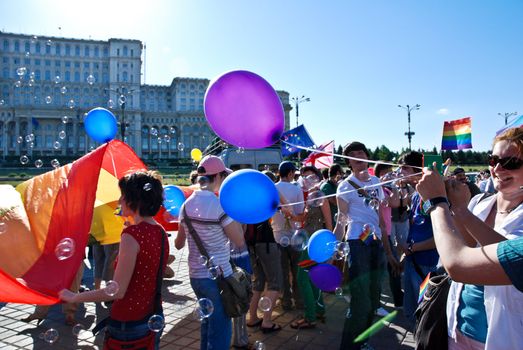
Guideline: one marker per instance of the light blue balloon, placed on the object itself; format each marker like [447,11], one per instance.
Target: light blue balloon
[322,245]
[100,125]
[173,199]
[249,197]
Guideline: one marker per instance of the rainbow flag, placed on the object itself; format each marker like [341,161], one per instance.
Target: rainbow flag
[457,134]
[366,235]
[67,202]
[423,288]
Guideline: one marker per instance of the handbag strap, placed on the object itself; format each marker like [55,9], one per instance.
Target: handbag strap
[361,191]
[195,236]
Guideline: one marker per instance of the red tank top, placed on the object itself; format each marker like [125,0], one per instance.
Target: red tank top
[138,301]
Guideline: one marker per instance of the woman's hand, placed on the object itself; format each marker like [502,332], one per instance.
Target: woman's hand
[458,194]
[431,185]
[67,296]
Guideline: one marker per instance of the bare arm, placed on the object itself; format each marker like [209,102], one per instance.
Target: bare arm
[179,242]
[339,230]
[234,232]
[122,276]
[326,211]
[463,263]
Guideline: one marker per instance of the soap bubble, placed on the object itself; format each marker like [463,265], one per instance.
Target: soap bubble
[65,249]
[285,241]
[418,219]
[315,199]
[38,163]
[77,329]
[156,323]
[90,79]
[309,182]
[154,132]
[299,240]
[63,90]
[265,304]
[19,139]
[181,146]
[259,345]
[111,288]
[55,163]
[122,99]
[48,99]
[21,71]
[147,187]
[202,260]
[110,104]
[71,104]
[205,307]
[214,272]
[24,159]
[62,134]
[65,119]
[57,79]
[51,336]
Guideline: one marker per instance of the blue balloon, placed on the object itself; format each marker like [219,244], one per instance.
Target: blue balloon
[322,245]
[249,196]
[100,125]
[173,199]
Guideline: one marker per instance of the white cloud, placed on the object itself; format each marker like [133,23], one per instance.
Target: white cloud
[443,111]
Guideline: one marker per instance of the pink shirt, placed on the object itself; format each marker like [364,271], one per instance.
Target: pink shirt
[386,211]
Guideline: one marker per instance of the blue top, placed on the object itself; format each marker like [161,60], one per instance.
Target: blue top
[510,255]
[472,317]
[420,230]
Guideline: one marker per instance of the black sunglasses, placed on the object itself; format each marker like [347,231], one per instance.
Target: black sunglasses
[508,163]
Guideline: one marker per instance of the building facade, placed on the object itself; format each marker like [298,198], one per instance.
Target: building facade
[48,84]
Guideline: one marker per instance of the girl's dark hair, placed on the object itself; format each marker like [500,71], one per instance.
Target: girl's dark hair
[311,168]
[379,167]
[142,191]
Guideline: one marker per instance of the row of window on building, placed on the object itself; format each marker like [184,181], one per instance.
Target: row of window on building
[49,47]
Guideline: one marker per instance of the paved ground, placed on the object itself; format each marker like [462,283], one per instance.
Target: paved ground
[182,329]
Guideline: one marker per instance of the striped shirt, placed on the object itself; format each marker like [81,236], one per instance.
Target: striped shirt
[208,219]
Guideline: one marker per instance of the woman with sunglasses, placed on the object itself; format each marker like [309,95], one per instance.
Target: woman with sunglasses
[482,248]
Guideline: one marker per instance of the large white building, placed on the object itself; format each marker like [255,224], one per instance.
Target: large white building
[47,84]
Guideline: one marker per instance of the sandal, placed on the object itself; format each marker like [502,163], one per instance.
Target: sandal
[274,328]
[255,324]
[303,324]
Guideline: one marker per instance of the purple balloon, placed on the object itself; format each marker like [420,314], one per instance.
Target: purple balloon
[326,277]
[243,109]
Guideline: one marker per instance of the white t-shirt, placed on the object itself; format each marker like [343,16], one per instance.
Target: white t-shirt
[503,304]
[208,220]
[359,213]
[293,194]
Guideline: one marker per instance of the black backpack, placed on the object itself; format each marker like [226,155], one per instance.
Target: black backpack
[259,233]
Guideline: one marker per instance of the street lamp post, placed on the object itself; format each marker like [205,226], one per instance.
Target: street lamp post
[297,101]
[507,115]
[122,100]
[409,133]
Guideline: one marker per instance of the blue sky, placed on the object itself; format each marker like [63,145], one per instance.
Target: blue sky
[355,60]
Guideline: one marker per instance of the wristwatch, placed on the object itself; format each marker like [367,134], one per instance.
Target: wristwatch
[429,205]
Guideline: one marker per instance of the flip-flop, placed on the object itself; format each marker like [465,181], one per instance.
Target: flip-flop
[255,324]
[275,327]
[303,324]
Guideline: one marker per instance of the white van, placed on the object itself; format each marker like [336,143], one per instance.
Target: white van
[260,159]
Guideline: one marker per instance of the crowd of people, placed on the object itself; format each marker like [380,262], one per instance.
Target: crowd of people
[405,222]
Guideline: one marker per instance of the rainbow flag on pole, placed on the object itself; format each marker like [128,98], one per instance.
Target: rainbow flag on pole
[457,134]
[423,287]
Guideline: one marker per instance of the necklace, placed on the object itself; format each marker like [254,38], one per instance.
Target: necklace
[508,211]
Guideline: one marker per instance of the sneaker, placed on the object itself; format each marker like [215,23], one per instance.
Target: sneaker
[381,312]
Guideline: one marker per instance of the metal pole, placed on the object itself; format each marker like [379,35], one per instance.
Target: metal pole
[409,134]
[122,125]
[297,113]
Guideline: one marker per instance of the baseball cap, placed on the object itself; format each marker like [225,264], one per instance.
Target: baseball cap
[211,165]
[286,167]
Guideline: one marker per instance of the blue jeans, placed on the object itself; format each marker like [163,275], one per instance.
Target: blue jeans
[411,283]
[216,330]
[366,272]
[133,333]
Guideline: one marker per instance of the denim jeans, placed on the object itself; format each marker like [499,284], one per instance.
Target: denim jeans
[366,272]
[133,333]
[216,330]
[412,281]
